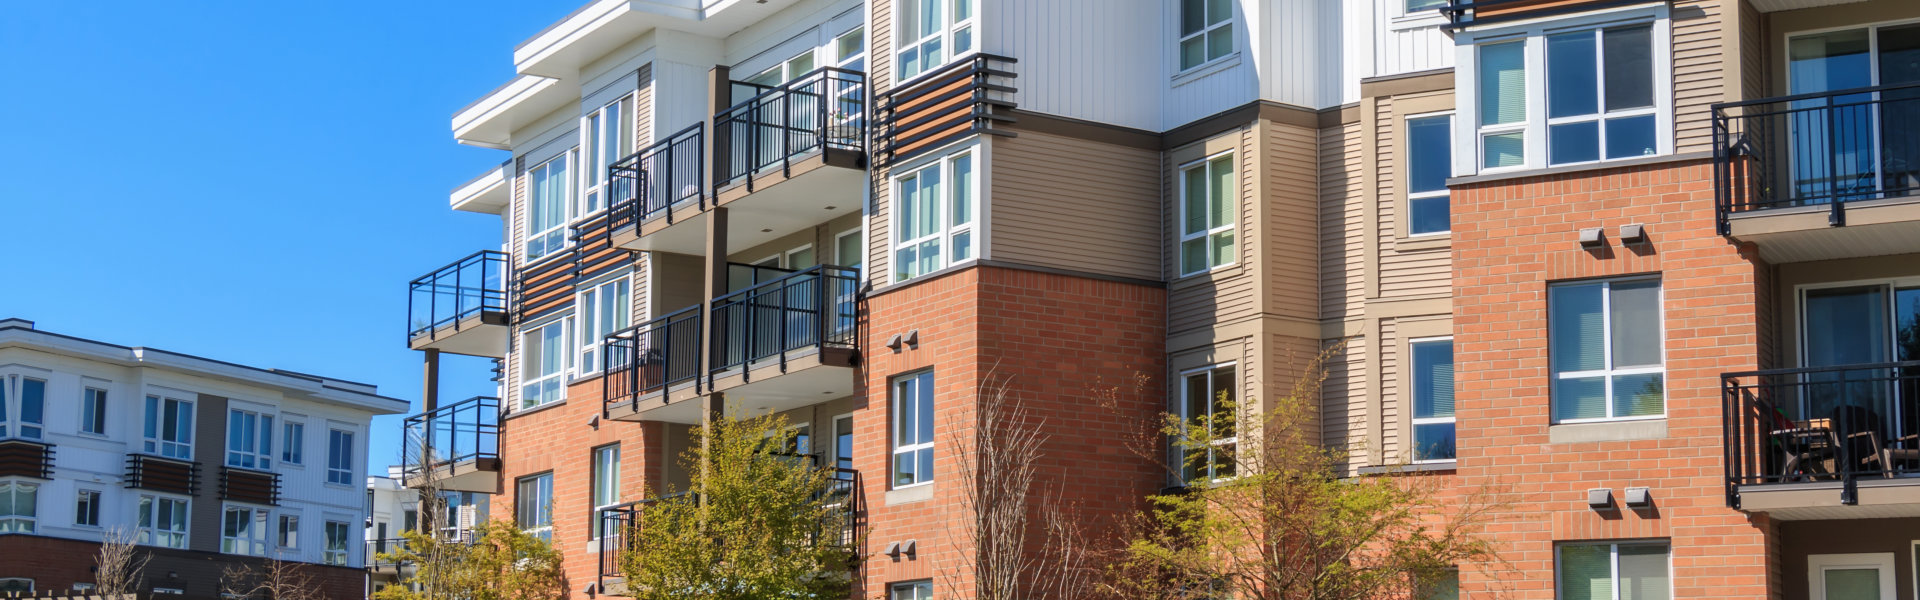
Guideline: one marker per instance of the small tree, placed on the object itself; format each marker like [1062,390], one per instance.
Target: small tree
[756,525]
[119,565]
[273,579]
[1288,522]
[499,562]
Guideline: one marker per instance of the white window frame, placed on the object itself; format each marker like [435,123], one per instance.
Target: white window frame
[893,389]
[587,313]
[594,127]
[946,229]
[331,555]
[841,58]
[338,474]
[1533,34]
[571,161]
[286,532]
[292,447]
[251,542]
[147,521]
[913,590]
[1233,215]
[859,243]
[1819,564]
[603,481]
[13,398]
[1207,27]
[1606,348]
[94,405]
[22,522]
[86,503]
[836,438]
[541,509]
[947,28]
[157,405]
[260,456]
[558,378]
[1186,420]
[1407,178]
[1413,440]
[1613,553]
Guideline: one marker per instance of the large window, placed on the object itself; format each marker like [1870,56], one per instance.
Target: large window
[1207,214]
[1571,96]
[545,355]
[19,506]
[932,31]
[913,590]
[163,521]
[26,405]
[609,138]
[169,427]
[339,457]
[1206,31]
[533,505]
[93,411]
[913,429]
[606,482]
[936,206]
[603,309]
[1432,399]
[86,508]
[1605,345]
[550,189]
[293,440]
[243,530]
[249,439]
[1625,571]
[1207,399]
[338,533]
[1429,161]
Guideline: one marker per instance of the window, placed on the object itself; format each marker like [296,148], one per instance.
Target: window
[783,72]
[1605,345]
[19,505]
[339,457]
[289,533]
[1627,571]
[249,439]
[1432,399]
[1445,586]
[1572,96]
[336,551]
[848,251]
[935,226]
[1429,161]
[1206,31]
[915,590]
[1207,398]
[243,531]
[167,591]
[606,482]
[544,361]
[163,521]
[533,505]
[843,442]
[16,584]
[609,138]
[86,508]
[931,31]
[169,430]
[604,309]
[913,429]
[547,213]
[293,439]
[27,404]
[1414,6]
[850,50]
[93,411]
[1207,214]
[1862,576]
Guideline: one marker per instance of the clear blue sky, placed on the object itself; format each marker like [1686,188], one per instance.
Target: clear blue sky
[253,182]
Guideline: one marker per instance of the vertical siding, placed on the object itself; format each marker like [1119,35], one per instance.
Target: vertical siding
[1076,204]
[1290,231]
[1228,294]
[1342,245]
[1401,273]
[1698,73]
[1082,58]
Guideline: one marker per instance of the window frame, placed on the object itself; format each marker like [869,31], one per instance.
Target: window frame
[591,332]
[599,478]
[1606,350]
[286,533]
[569,160]
[1410,197]
[894,421]
[154,435]
[260,457]
[13,408]
[329,554]
[344,473]
[558,379]
[540,513]
[1613,554]
[593,132]
[25,522]
[1204,34]
[1232,209]
[1414,421]
[1237,383]
[913,587]
[946,27]
[1532,34]
[946,228]
[292,447]
[86,507]
[148,509]
[252,542]
[94,402]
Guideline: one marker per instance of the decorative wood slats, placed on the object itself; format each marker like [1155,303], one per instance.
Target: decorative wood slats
[162,474]
[24,458]
[244,485]
[943,106]
[548,285]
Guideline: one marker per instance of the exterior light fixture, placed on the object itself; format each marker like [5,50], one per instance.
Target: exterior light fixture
[1592,238]
[1633,234]
[1600,498]
[1639,497]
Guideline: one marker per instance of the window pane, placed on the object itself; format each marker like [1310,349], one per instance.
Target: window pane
[1580,398]
[1197,402]
[1221,397]
[1193,16]
[1586,572]
[1219,42]
[1643,573]
[1639,395]
[1429,153]
[1635,309]
[1220,193]
[1444,587]
[1223,248]
[1433,441]
[1575,327]
[1196,200]
[1629,67]
[962,246]
[1428,215]
[1573,142]
[963,190]
[1420,5]
[1504,149]
[1432,379]
[1219,11]
[1572,73]
[1850,583]
[33,400]
[904,433]
[1503,83]
[1193,52]
[1193,256]
[923,391]
[923,465]
[1631,136]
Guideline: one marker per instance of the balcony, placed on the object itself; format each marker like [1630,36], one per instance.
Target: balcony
[1824,442]
[651,189]
[386,566]
[1821,176]
[461,308]
[792,155]
[778,344]
[455,447]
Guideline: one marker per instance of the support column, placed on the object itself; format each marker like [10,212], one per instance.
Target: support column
[427,507]
[720,97]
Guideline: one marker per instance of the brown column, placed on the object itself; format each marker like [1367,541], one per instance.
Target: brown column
[429,401]
[720,96]
[430,381]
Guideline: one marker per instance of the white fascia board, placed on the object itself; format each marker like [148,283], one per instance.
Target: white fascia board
[485,193]
[489,122]
[590,33]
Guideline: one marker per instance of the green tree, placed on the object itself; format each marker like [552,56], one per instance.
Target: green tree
[755,524]
[1290,522]
[498,562]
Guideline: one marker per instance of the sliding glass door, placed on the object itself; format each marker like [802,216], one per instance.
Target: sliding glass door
[1855,146]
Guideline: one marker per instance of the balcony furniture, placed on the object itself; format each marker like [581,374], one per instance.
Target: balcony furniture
[1795,435]
[1808,450]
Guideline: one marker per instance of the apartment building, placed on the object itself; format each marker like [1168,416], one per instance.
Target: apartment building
[393,508]
[208,464]
[1668,240]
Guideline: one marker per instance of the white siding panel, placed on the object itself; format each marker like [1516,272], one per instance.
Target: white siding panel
[1086,59]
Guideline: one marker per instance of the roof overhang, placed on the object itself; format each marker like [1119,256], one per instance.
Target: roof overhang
[486,193]
[490,121]
[602,26]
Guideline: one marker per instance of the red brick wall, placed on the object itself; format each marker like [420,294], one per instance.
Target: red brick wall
[1510,239]
[56,564]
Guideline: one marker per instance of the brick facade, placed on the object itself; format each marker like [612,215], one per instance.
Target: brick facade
[56,564]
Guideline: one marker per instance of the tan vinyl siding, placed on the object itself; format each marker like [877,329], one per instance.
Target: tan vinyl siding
[1389,391]
[1754,73]
[880,79]
[1401,273]
[677,281]
[1290,233]
[1342,219]
[516,236]
[1698,72]
[1075,204]
[1344,401]
[1224,295]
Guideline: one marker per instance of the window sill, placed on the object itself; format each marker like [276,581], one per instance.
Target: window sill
[527,411]
[1607,431]
[1204,69]
[1213,275]
[1424,242]
[1445,466]
[919,492]
[1579,168]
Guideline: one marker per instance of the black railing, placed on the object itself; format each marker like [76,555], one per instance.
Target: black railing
[450,437]
[1827,148]
[812,308]
[651,357]
[741,276]
[1467,13]
[649,183]
[841,524]
[826,108]
[1835,424]
[617,525]
[450,294]
[375,548]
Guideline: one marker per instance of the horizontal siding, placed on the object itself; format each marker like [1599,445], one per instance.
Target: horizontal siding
[1698,74]
[1409,273]
[1076,204]
[1342,241]
[643,107]
[880,78]
[1389,391]
[1290,232]
[1343,396]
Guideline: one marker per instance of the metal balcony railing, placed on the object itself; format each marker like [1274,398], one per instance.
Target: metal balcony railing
[812,308]
[649,183]
[443,441]
[1826,148]
[450,294]
[618,524]
[651,357]
[826,108]
[842,523]
[1821,424]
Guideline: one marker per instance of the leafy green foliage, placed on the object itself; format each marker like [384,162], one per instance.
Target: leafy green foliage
[501,562]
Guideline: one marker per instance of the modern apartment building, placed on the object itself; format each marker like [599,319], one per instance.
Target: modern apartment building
[207,463]
[1668,242]
[393,508]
